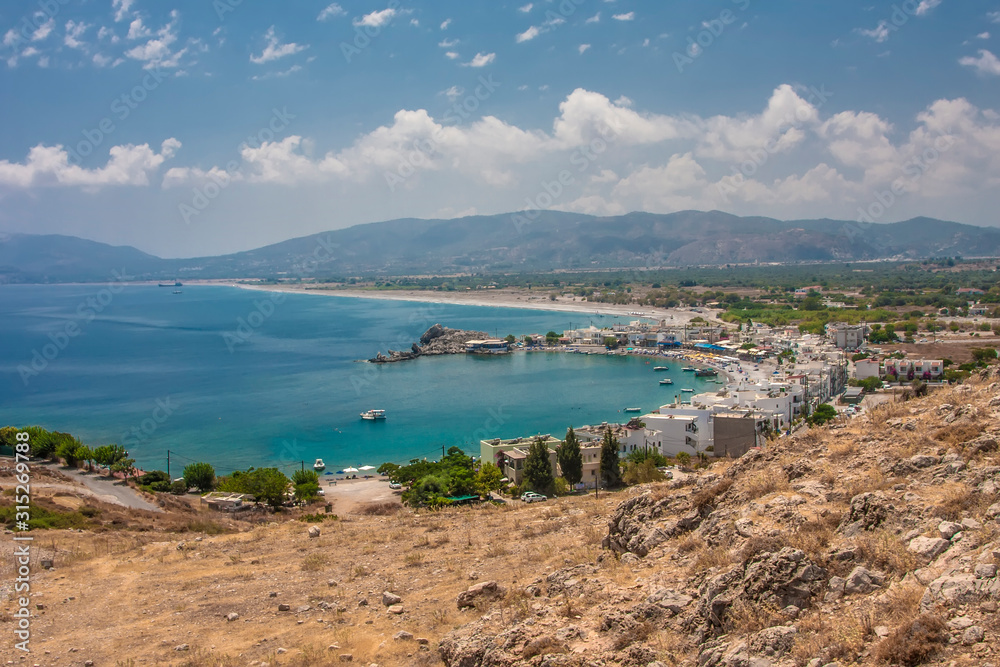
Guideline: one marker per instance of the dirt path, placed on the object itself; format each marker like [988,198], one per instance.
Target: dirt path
[108,490]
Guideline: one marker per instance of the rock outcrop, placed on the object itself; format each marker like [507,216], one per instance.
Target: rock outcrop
[435,341]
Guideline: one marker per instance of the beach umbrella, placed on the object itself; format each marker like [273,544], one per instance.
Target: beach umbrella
[350,470]
[367,468]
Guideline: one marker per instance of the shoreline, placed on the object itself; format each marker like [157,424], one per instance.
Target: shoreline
[500,300]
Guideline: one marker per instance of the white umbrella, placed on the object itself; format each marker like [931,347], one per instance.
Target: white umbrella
[350,470]
[367,468]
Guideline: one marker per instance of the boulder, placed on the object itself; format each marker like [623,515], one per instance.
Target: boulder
[928,547]
[862,580]
[923,460]
[972,635]
[868,511]
[389,599]
[395,609]
[403,636]
[468,597]
[948,529]
[232,616]
[986,570]
[672,601]
[313,531]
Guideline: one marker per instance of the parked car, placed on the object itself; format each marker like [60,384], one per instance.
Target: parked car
[532,497]
[395,485]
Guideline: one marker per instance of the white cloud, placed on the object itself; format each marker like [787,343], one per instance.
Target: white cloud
[136,30]
[624,17]
[451,55]
[74,31]
[277,75]
[994,17]
[879,33]
[121,8]
[377,19]
[274,50]
[596,18]
[927,5]
[453,93]
[986,63]
[983,35]
[582,48]
[529,34]
[447,43]
[445,24]
[481,60]
[331,11]
[48,166]
[43,31]
[109,34]
[526,8]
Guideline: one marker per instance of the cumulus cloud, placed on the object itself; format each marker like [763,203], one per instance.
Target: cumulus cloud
[525,8]
[985,63]
[377,19]
[122,8]
[331,11]
[481,60]
[158,51]
[624,17]
[529,34]
[582,48]
[49,166]
[274,49]
[74,31]
[927,5]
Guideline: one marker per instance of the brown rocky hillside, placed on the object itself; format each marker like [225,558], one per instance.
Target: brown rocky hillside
[871,542]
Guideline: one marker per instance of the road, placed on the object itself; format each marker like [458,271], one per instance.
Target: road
[109,490]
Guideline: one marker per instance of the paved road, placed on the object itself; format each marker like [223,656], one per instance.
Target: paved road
[108,490]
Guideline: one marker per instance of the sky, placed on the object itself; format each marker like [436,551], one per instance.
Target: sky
[199,127]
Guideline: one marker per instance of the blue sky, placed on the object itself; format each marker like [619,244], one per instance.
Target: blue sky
[198,127]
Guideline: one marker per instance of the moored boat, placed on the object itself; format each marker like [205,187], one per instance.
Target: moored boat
[372,415]
[666,381]
[319,466]
[660,368]
[633,409]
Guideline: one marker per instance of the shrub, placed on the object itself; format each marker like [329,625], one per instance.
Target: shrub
[160,487]
[154,476]
[912,642]
[178,488]
[200,475]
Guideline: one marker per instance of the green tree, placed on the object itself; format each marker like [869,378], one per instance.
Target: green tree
[306,484]
[552,338]
[611,472]
[538,468]
[510,339]
[611,342]
[683,459]
[67,451]
[267,485]
[488,479]
[108,455]
[85,453]
[570,459]
[200,475]
[124,465]
[823,413]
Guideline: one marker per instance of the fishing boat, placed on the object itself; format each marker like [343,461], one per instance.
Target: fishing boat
[666,381]
[633,409]
[319,466]
[688,390]
[372,415]
[660,368]
[689,369]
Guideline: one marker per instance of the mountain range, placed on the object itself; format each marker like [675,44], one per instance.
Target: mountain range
[513,242]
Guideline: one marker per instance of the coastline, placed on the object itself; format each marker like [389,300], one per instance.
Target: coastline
[501,299]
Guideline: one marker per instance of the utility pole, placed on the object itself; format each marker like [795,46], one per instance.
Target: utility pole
[168,466]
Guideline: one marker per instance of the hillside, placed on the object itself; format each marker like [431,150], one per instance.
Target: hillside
[552,240]
[869,542]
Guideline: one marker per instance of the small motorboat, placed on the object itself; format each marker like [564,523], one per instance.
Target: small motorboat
[666,381]
[372,415]
[688,390]
[633,409]
[319,466]
[660,368]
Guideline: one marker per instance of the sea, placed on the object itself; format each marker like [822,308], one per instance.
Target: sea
[240,378]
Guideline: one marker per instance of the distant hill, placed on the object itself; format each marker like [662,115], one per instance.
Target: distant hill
[514,242]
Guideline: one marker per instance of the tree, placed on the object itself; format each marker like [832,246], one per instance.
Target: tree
[200,475]
[611,473]
[510,339]
[306,484]
[125,465]
[488,479]
[611,342]
[108,455]
[552,338]
[570,459]
[538,468]
[85,453]
[823,413]
[67,451]
[267,485]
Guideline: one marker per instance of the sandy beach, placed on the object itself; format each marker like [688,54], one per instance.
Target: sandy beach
[506,298]
[348,495]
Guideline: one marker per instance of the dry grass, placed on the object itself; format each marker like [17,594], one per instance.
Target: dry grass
[956,434]
[380,509]
[871,479]
[953,501]
[764,483]
[708,557]
[913,641]
[315,562]
[744,618]
[706,497]
[885,551]
[843,449]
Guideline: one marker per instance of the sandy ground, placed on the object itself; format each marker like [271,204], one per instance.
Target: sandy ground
[515,298]
[347,495]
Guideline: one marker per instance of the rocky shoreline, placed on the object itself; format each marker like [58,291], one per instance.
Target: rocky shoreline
[435,341]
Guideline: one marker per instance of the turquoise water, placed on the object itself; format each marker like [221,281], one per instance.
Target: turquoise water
[244,378]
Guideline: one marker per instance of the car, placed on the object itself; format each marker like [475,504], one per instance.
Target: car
[532,497]
[395,485]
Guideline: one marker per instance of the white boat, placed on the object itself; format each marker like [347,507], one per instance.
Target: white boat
[633,409]
[666,381]
[372,415]
[319,466]
[688,390]
[659,368]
